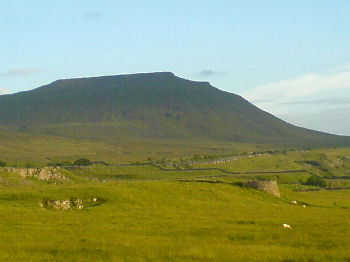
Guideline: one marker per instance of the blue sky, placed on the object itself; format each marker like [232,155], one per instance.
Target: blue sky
[291,58]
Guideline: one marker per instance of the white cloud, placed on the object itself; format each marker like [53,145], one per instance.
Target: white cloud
[331,121]
[3,91]
[328,101]
[300,86]
[23,72]
[318,101]
[341,68]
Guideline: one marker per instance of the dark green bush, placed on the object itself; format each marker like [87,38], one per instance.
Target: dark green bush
[82,162]
[29,165]
[2,164]
[316,181]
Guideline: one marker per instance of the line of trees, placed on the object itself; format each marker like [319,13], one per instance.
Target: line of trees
[78,162]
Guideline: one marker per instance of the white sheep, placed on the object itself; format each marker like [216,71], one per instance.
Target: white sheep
[286,226]
[294,202]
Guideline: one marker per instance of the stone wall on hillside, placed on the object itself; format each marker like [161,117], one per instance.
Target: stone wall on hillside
[45,173]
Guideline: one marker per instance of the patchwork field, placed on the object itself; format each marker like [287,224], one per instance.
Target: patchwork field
[178,211]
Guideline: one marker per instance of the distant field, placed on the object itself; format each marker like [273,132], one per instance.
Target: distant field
[143,213]
[20,148]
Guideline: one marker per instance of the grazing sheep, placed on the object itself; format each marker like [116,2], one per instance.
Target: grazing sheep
[304,206]
[286,226]
[294,202]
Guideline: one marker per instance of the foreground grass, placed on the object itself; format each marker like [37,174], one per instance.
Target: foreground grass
[144,214]
[172,221]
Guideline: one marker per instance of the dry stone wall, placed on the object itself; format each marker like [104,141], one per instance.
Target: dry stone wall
[46,173]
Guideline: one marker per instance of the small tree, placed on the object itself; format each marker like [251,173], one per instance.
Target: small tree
[316,181]
[82,162]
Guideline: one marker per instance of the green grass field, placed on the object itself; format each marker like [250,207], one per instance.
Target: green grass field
[19,148]
[145,214]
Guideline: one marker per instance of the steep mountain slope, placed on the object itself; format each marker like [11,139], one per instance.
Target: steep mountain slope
[155,105]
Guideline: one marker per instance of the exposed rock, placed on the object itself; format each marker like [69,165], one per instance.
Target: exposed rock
[46,173]
[269,187]
[58,204]
[78,203]
[67,204]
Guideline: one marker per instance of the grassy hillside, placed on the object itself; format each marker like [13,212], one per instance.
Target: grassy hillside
[138,218]
[169,221]
[156,106]
[143,213]
[21,148]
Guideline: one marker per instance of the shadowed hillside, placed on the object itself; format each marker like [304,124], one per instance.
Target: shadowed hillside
[155,105]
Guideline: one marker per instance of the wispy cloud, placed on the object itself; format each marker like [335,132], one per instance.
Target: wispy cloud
[300,86]
[92,15]
[328,120]
[341,68]
[3,91]
[318,101]
[343,110]
[23,72]
[326,101]
[209,73]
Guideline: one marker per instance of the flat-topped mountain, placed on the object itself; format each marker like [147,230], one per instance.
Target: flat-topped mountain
[152,105]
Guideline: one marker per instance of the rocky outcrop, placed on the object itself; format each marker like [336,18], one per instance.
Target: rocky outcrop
[269,187]
[58,204]
[46,173]
[67,204]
